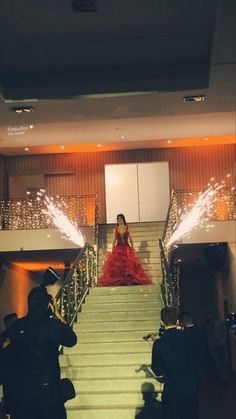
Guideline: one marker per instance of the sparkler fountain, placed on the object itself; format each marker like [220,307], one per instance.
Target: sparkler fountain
[200,213]
[69,229]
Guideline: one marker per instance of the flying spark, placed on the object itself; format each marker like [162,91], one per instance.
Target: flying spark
[197,216]
[62,222]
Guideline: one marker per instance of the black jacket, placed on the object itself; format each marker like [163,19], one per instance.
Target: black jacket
[172,358]
[37,337]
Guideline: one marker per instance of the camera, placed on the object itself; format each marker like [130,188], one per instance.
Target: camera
[147,337]
[161,332]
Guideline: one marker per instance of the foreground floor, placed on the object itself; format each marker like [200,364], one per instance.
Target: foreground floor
[217,401]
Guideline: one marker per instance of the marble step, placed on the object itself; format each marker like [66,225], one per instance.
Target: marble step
[111,336]
[106,359]
[138,371]
[117,326]
[120,298]
[104,307]
[150,268]
[116,385]
[131,399]
[137,289]
[109,348]
[138,315]
[119,412]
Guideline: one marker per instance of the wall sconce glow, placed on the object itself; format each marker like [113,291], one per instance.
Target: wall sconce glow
[197,98]
[22,109]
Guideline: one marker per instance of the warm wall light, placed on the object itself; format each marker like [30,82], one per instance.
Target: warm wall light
[26,148]
[62,147]
[198,98]
[21,109]
[169,141]
[99,145]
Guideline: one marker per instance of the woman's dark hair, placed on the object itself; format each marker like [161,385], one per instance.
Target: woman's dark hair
[123,218]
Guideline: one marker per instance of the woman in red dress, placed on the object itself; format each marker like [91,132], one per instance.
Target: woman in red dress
[122,267]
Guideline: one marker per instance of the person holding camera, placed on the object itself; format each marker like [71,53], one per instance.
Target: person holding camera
[38,336]
[172,358]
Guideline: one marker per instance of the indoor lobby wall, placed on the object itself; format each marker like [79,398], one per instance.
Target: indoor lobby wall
[83,173]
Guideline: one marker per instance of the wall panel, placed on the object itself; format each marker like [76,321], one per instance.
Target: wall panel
[190,168]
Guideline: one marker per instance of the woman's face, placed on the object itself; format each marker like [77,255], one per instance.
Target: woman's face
[120,220]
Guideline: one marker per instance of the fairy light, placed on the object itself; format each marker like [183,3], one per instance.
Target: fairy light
[62,222]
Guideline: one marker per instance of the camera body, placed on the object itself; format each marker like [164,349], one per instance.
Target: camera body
[161,332]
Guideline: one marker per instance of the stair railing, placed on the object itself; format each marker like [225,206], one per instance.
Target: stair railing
[80,278]
[168,289]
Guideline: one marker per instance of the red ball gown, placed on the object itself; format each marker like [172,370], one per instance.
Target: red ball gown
[122,267]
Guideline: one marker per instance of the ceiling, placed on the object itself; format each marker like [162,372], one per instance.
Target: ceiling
[39,261]
[115,77]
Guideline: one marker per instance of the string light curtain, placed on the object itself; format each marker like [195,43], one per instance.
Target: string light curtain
[27,214]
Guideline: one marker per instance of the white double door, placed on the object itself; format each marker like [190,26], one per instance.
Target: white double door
[139,191]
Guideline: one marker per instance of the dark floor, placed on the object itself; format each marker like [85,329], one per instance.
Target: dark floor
[217,401]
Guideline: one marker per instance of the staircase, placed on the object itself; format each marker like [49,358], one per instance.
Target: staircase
[145,237]
[109,364]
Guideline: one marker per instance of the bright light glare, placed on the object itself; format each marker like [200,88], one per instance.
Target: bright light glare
[62,222]
[196,217]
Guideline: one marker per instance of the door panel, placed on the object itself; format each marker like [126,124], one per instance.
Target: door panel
[153,185]
[121,192]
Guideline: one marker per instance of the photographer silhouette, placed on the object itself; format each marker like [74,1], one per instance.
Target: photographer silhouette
[38,336]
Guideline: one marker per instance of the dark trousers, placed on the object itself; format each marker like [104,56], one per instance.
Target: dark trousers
[42,402]
[186,408]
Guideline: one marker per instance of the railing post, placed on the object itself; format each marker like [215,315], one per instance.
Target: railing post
[87,265]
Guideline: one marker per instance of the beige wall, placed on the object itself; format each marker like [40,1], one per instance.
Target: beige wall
[45,239]
[20,184]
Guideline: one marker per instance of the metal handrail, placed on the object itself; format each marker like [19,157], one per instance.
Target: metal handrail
[80,278]
[168,215]
[167,286]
